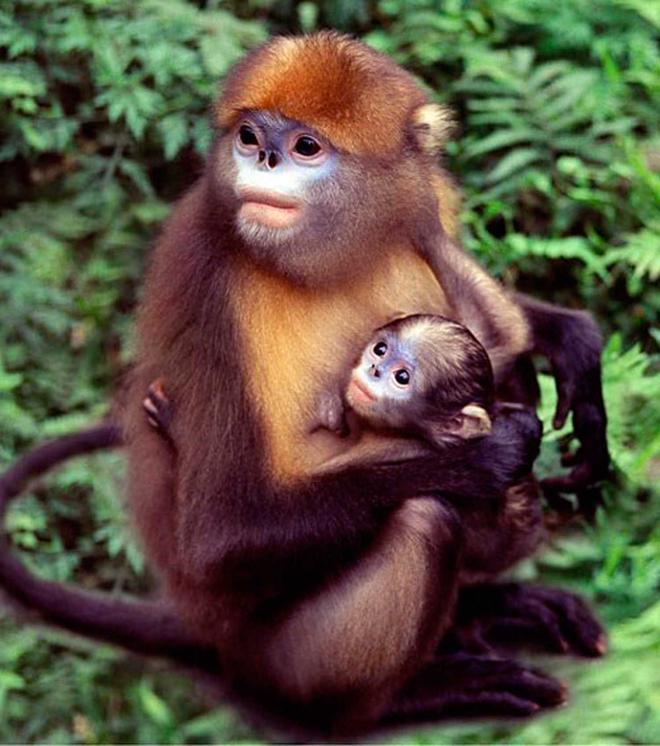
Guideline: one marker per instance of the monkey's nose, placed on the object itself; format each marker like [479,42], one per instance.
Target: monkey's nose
[269,158]
[374,371]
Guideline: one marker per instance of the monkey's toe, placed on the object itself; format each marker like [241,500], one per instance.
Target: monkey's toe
[463,684]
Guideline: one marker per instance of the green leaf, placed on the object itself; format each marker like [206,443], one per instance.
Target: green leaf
[174,133]
[513,162]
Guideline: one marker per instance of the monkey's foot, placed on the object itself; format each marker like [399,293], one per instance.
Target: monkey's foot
[158,407]
[461,684]
[512,613]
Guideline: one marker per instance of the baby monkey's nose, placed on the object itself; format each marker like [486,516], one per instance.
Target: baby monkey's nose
[374,371]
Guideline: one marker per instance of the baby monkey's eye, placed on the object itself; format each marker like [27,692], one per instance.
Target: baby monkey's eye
[247,135]
[402,377]
[380,348]
[306,146]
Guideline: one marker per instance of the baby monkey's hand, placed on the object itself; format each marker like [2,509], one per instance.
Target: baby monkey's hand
[332,413]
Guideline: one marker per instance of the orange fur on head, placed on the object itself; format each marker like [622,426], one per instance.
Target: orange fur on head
[358,98]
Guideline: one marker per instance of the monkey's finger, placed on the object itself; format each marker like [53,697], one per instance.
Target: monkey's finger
[542,631]
[564,402]
[493,704]
[571,458]
[524,613]
[153,414]
[576,480]
[158,389]
[460,704]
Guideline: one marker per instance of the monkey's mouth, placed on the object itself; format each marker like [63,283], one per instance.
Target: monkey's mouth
[269,209]
[358,394]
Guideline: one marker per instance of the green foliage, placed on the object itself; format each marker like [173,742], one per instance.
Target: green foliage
[104,116]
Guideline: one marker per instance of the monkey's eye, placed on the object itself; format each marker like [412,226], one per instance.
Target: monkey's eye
[380,348]
[247,135]
[307,146]
[402,377]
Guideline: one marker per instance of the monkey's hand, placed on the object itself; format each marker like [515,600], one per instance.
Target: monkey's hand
[158,407]
[332,413]
[572,343]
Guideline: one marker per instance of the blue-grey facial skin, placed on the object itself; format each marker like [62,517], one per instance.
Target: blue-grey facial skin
[271,166]
[385,360]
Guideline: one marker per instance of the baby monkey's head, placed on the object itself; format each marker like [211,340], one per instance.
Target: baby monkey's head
[427,374]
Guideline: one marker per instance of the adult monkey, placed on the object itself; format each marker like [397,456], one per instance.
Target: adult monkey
[317,565]
[312,226]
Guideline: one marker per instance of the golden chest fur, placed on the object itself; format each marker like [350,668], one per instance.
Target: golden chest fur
[299,341]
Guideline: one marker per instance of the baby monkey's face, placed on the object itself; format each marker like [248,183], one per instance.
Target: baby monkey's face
[424,372]
[386,380]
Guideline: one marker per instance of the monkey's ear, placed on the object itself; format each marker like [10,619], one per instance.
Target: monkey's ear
[432,125]
[472,422]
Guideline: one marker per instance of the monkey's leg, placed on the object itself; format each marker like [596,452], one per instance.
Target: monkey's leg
[342,652]
[462,684]
[513,612]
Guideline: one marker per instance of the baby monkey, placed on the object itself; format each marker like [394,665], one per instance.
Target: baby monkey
[423,374]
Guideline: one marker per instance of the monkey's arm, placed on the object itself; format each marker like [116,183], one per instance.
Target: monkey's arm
[572,343]
[269,554]
[510,325]
[476,299]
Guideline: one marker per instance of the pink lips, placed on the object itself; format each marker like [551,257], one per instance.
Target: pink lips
[268,208]
[361,392]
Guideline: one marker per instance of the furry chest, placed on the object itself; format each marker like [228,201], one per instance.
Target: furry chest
[300,342]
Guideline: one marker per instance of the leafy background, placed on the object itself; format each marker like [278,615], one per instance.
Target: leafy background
[104,121]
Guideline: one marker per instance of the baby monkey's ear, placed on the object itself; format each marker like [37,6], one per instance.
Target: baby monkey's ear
[472,422]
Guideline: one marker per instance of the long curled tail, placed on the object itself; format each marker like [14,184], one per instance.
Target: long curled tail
[145,627]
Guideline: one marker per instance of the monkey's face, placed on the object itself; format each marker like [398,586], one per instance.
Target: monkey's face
[387,386]
[280,167]
[303,206]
